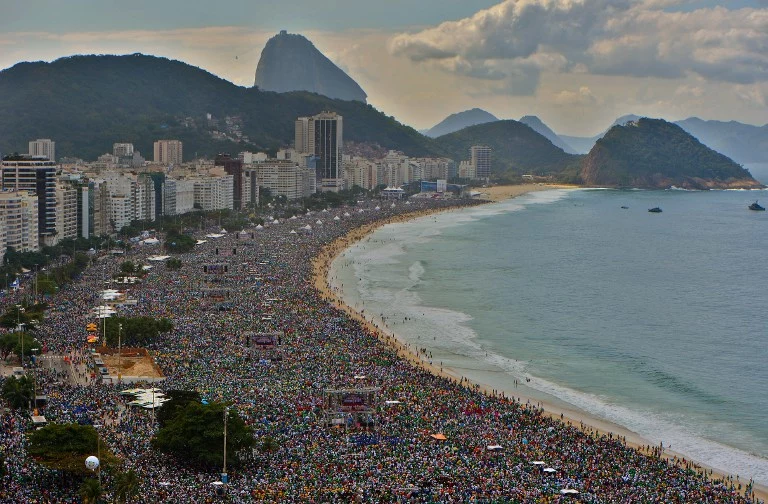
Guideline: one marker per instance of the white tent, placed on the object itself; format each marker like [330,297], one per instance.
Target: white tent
[494,447]
[360,211]
[377,208]
[293,231]
[346,214]
[337,218]
[319,222]
[200,242]
[325,210]
[392,205]
[307,227]
[566,491]
[259,227]
[158,258]
[293,218]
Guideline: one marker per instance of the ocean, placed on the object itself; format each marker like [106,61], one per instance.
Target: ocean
[655,322]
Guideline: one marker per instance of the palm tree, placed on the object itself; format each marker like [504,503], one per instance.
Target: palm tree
[90,491]
[18,392]
[126,486]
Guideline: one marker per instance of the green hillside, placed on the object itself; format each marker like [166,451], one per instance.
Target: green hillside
[652,153]
[86,103]
[516,148]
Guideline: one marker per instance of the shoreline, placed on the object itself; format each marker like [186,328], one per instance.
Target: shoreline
[591,424]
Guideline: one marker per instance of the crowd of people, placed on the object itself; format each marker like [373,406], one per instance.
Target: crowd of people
[269,287]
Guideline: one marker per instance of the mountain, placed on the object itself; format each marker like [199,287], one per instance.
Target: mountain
[86,103]
[515,147]
[744,143]
[460,120]
[290,62]
[582,145]
[655,154]
[539,127]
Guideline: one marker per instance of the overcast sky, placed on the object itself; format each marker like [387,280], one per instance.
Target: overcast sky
[577,64]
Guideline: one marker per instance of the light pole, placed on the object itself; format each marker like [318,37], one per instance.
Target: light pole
[224,477]
[98,449]
[36,270]
[120,358]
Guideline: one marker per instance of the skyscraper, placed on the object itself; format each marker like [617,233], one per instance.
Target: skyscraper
[326,130]
[35,175]
[301,137]
[481,161]
[44,147]
[168,152]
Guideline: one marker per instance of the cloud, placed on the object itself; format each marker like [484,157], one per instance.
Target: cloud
[583,96]
[517,40]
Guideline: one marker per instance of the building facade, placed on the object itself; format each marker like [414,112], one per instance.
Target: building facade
[43,147]
[35,175]
[169,152]
[20,217]
[480,157]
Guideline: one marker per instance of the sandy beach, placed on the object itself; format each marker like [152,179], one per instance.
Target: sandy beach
[588,423]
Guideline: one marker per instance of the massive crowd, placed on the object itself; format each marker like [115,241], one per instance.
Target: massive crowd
[270,288]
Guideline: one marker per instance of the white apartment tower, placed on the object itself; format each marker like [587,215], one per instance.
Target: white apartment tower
[481,160]
[34,175]
[66,210]
[168,152]
[43,147]
[122,150]
[19,213]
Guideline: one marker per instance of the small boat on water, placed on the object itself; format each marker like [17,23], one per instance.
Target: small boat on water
[655,210]
[756,207]
[624,207]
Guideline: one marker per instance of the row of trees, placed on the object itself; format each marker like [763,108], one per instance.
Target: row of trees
[12,343]
[136,331]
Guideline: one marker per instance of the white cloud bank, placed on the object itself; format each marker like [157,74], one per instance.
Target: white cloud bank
[512,43]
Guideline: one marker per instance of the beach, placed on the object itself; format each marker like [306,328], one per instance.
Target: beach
[571,415]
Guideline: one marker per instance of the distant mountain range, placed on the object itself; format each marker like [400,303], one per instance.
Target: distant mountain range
[539,127]
[459,121]
[290,62]
[86,103]
[744,143]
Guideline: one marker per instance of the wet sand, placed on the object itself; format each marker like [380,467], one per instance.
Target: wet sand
[574,416]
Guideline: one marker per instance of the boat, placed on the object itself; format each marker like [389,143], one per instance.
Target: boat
[624,207]
[655,210]
[756,207]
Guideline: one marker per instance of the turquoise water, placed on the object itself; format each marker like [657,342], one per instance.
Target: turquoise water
[656,322]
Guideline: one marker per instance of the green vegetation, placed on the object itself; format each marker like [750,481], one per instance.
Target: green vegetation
[12,343]
[196,434]
[126,486]
[653,153]
[90,491]
[18,392]
[179,243]
[173,264]
[111,102]
[177,401]
[137,331]
[26,314]
[66,446]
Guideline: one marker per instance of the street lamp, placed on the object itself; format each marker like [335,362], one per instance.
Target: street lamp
[98,450]
[120,358]
[224,477]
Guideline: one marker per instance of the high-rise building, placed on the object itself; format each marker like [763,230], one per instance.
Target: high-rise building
[122,150]
[326,130]
[43,147]
[213,193]
[66,210]
[481,160]
[19,214]
[36,175]
[168,152]
[301,138]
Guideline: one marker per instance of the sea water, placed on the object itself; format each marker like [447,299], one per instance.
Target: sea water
[656,322]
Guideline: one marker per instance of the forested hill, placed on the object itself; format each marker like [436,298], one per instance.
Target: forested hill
[652,153]
[515,148]
[86,103]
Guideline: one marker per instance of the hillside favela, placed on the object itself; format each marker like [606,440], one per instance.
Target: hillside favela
[488,251]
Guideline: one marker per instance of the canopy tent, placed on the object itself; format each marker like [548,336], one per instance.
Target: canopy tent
[549,470]
[566,491]
[319,222]
[346,214]
[494,448]
[293,231]
[438,436]
[158,258]
[337,218]
[200,242]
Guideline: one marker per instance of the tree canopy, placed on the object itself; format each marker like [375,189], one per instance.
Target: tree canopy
[196,434]
[66,446]
[18,393]
[136,331]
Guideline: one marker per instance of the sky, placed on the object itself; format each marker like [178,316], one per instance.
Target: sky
[577,64]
